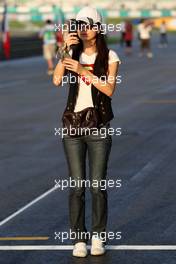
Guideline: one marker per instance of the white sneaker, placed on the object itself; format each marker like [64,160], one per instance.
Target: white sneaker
[80,250]
[97,247]
[150,55]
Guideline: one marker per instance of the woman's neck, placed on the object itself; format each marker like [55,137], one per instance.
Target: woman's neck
[89,47]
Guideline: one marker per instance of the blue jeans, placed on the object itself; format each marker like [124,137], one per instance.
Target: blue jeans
[98,148]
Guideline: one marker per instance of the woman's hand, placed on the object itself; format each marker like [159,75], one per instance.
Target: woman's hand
[73,65]
[71,39]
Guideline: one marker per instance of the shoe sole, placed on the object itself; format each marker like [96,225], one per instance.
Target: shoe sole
[83,256]
[97,254]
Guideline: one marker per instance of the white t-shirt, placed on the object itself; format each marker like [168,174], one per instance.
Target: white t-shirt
[123,27]
[163,29]
[84,98]
[144,31]
[48,34]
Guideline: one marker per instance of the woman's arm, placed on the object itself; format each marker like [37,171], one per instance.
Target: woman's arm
[107,87]
[60,68]
[58,73]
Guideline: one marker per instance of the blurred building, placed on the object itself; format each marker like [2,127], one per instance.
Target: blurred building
[40,10]
[110,4]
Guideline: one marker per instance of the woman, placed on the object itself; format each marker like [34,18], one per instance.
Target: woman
[90,60]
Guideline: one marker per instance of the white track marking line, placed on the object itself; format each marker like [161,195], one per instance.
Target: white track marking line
[70,247]
[28,205]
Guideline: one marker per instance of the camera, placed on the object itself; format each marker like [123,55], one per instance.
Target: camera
[72,26]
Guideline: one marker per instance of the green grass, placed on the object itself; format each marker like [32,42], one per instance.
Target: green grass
[113,40]
[113,20]
[38,23]
[17,24]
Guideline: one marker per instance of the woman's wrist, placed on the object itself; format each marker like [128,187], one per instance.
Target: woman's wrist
[87,75]
[82,71]
[66,47]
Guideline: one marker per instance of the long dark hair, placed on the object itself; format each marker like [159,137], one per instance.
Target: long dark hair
[101,61]
[100,65]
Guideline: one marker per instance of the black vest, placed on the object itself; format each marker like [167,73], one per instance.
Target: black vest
[101,101]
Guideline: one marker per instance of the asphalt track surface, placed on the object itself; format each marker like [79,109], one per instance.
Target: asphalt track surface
[143,157]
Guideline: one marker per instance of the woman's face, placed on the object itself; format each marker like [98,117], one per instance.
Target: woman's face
[86,32]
